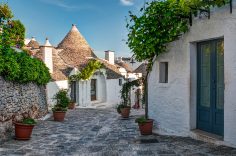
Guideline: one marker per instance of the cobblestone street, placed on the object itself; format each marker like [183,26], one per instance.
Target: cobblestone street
[102,132]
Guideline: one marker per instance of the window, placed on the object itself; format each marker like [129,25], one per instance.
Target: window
[120,82]
[163,72]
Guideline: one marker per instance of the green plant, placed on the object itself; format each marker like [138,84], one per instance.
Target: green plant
[120,106]
[29,121]
[18,66]
[62,100]
[87,71]
[125,91]
[159,23]
[141,120]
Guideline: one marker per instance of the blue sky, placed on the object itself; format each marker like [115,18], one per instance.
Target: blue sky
[102,22]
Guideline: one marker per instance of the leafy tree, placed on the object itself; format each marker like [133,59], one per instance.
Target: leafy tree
[5,12]
[18,66]
[162,22]
[17,33]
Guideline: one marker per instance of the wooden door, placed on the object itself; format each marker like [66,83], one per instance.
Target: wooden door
[210,108]
[93,89]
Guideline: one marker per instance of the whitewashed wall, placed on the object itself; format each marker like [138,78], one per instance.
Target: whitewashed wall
[53,88]
[173,105]
[113,91]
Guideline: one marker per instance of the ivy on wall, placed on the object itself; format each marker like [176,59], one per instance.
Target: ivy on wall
[87,72]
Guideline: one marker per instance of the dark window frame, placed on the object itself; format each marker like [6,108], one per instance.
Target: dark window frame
[163,72]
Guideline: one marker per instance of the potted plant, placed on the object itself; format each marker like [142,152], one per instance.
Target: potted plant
[124,110]
[145,125]
[62,102]
[71,105]
[23,129]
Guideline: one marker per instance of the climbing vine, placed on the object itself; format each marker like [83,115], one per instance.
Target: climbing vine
[125,91]
[162,22]
[87,72]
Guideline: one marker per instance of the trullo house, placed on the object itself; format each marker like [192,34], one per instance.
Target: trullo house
[192,87]
[70,56]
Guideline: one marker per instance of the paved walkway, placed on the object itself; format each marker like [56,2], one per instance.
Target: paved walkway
[102,132]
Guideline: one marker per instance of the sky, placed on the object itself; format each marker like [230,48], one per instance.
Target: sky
[101,22]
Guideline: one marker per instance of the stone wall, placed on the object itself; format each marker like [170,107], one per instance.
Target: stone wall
[18,101]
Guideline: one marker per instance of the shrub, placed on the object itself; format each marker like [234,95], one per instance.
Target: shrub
[62,100]
[11,68]
[20,67]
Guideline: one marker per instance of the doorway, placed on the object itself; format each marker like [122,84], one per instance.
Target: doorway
[210,86]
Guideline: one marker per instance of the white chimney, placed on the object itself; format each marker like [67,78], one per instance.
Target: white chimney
[110,56]
[46,49]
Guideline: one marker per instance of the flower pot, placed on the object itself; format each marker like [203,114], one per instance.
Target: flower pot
[71,105]
[125,112]
[59,115]
[146,128]
[23,131]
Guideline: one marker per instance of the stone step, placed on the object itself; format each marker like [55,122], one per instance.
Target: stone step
[207,137]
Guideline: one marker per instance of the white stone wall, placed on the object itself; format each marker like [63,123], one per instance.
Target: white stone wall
[113,91]
[173,105]
[53,88]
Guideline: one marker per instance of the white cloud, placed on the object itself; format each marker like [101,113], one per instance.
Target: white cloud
[62,4]
[127,2]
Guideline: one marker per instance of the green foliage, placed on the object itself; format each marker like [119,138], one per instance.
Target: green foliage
[62,100]
[141,120]
[29,121]
[162,22]
[125,91]
[5,12]
[18,66]
[17,33]
[11,68]
[87,72]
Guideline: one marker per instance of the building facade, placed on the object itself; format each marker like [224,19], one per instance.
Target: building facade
[192,86]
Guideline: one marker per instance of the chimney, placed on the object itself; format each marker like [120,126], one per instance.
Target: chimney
[47,55]
[110,56]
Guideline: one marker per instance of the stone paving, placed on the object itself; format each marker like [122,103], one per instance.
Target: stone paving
[102,132]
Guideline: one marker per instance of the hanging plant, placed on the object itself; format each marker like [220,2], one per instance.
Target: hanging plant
[87,72]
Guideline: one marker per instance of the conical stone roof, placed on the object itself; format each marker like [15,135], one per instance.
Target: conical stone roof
[33,44]
[76,51]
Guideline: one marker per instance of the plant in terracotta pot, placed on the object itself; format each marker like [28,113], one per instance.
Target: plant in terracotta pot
[71,105]
[124,110]
[23,129]
[145,125]
[62,102]
[125,106]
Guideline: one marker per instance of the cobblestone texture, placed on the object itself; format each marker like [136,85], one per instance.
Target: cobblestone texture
[103,132]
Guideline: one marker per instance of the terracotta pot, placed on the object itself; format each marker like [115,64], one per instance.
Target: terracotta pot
[125,112]
[23,131]
[59,115]
[71,105]
[146,128]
